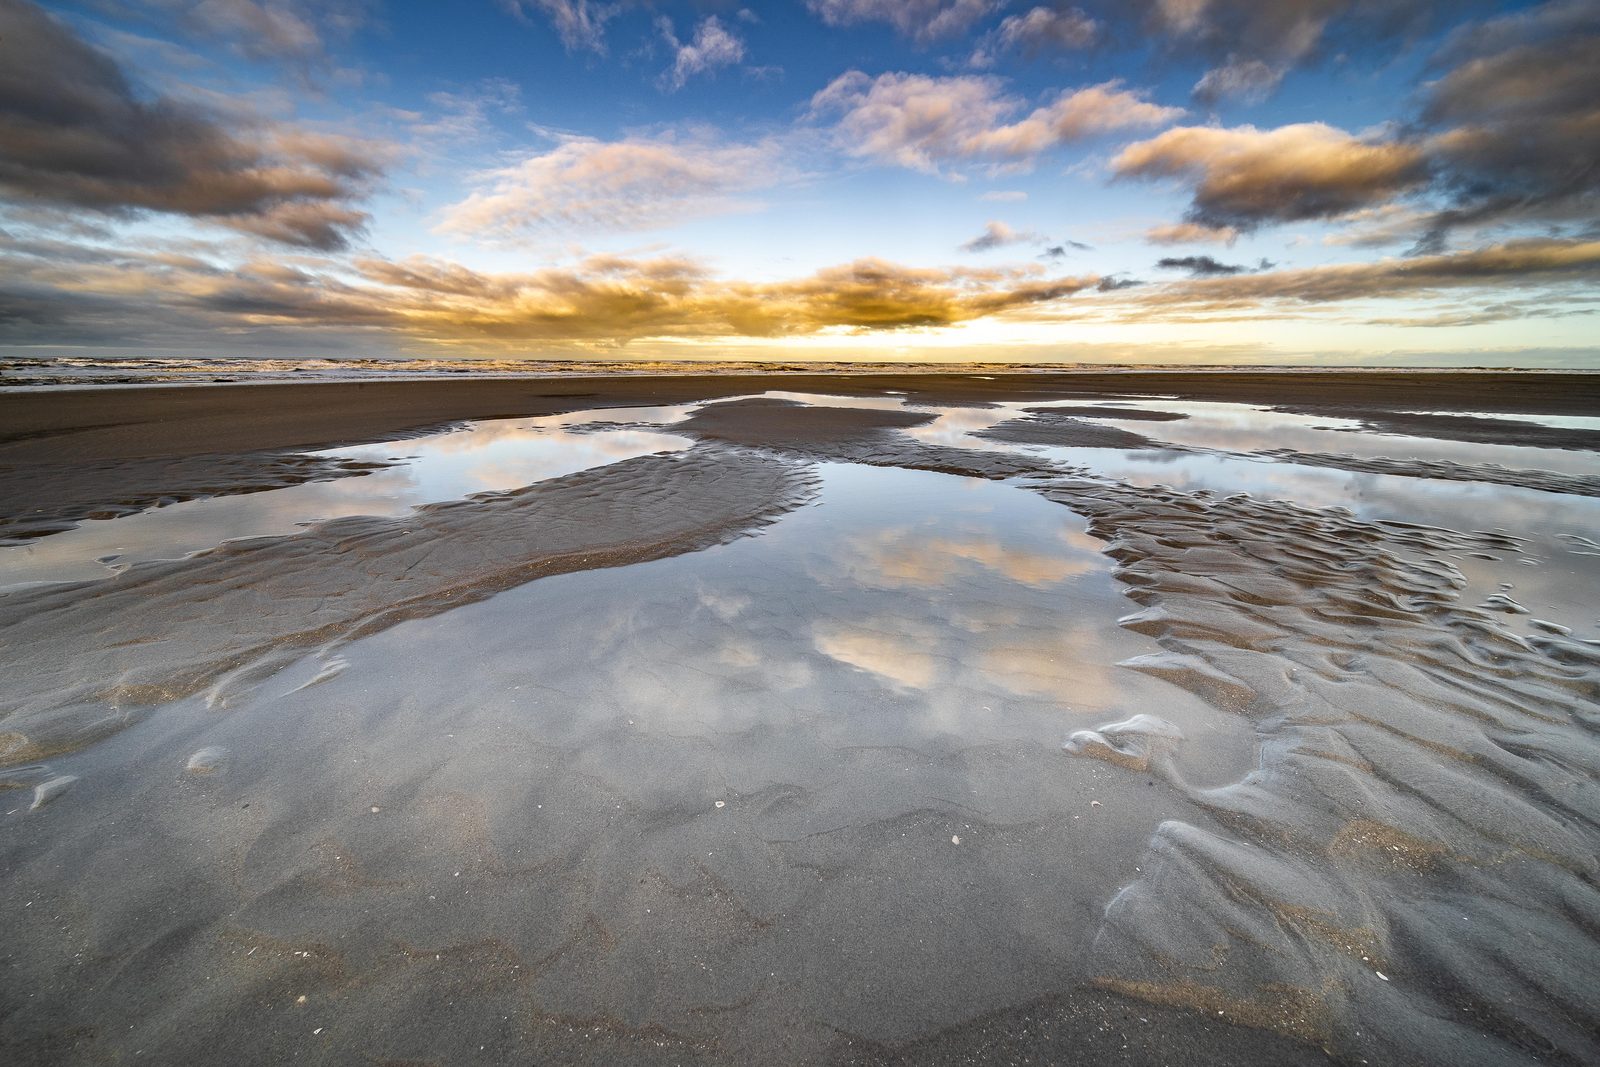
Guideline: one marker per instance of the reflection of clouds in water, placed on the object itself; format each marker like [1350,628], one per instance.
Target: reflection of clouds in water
[493,456]
[725,606]
[179,529]
[895,649]
[906,556]
[1239,428]
[1074,665]
[954,424]
[653,416]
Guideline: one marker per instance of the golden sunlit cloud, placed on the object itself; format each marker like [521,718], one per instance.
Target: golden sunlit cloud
[1244,176]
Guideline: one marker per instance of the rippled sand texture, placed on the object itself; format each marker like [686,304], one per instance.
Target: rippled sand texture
[164,630]
[1413,865]
[855,730]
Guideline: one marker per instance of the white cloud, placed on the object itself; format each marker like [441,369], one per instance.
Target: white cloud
[712,47]
[924,123]
[579,23]
[632,184]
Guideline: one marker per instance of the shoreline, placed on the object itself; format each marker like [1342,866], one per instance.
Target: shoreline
[73,454]
[172,420]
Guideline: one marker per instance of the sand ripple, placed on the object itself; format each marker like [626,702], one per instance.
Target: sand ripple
[230,617]
[1413,866]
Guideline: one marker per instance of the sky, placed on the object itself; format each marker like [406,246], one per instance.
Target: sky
[1328,182]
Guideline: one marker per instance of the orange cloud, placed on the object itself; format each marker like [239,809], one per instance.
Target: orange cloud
[1244,176]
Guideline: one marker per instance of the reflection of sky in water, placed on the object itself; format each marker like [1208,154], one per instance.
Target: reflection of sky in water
[1564,422]
[1548,577]
[1237,428]
[484,457]
[909,610]
[505,454]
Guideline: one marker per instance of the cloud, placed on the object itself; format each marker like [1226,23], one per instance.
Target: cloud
[581,25]
[997,235]
[186,296]
[1513,124]
[924,21]
[1191,233]
[1005,196]
[634,184]
[924,123]
[128,296]
[1242,176]
[1060,251]
[1256,43]
[1247,80]
[78,134]
[1512,264]
[1045,29]
[1506,134]
[1199,266]
[294,33]
[712,47]
[1038,31]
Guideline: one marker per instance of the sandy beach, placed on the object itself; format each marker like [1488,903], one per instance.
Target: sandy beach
[1241,718]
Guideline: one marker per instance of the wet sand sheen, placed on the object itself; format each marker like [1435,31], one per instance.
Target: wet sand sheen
[802,796]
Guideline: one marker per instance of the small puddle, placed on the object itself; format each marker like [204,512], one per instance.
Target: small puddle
[490,456]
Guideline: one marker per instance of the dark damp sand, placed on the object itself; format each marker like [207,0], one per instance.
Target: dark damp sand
[1415,762]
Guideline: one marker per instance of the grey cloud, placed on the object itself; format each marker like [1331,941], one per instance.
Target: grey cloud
[1506,266]
[1513,122]
[924,21]
[1111,284]
[1037,32]
[997,235]
[1248,80]
[78,134]
[1200,266]
[295,33]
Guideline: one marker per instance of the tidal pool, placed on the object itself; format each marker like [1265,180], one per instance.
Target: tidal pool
[1189,745]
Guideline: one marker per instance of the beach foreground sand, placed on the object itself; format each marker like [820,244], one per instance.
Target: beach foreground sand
[1203,718]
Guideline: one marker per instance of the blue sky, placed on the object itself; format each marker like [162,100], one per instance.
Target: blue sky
[1158,180]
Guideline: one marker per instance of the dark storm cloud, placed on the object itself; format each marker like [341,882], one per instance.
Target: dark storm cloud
[78,133]
[1200,266]
[1513,123]
[1111,283]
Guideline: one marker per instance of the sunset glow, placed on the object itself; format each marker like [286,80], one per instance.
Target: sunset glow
[1316,181]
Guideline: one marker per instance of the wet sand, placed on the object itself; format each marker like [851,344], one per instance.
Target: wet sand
[899,720]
